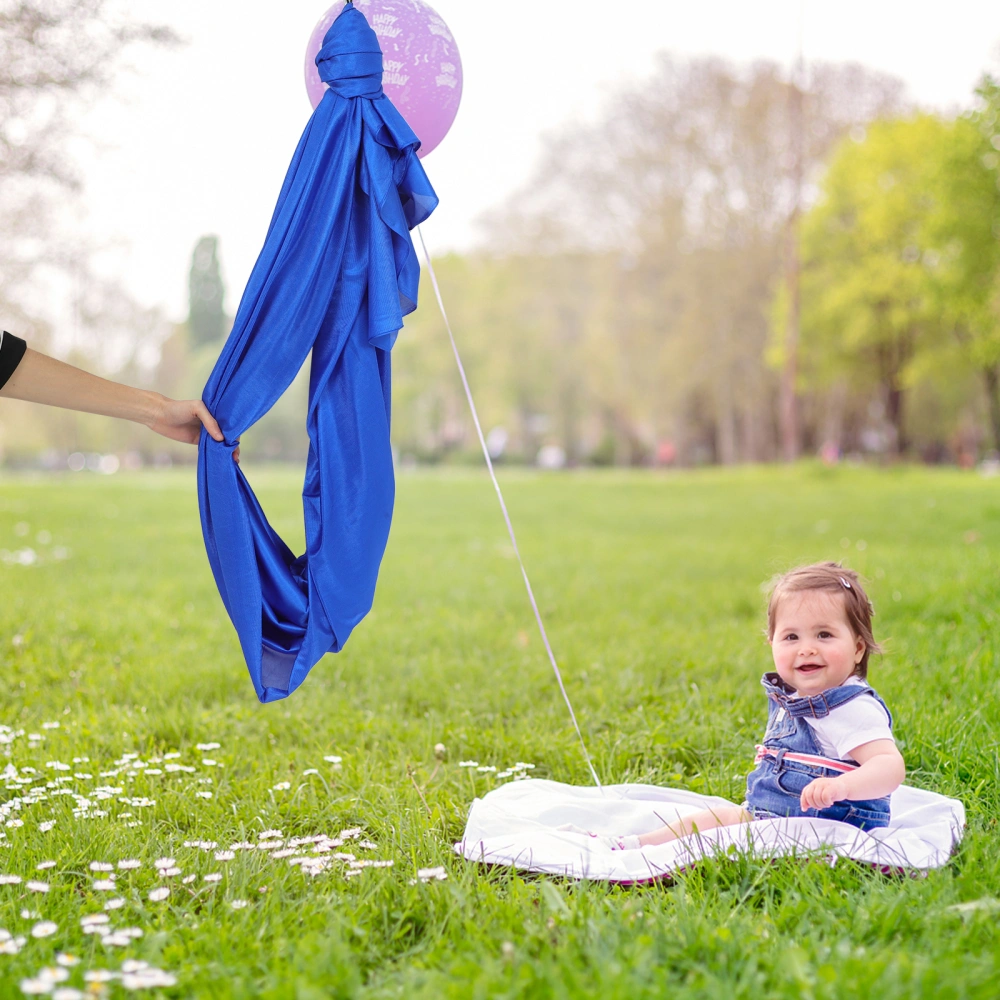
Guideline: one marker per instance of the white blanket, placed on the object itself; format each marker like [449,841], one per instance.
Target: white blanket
[516,824]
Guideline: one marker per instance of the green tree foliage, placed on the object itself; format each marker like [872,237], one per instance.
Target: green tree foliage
[869,263]
[966,229]
[654,240]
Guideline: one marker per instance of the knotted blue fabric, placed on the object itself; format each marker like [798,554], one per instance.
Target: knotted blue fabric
[336,275]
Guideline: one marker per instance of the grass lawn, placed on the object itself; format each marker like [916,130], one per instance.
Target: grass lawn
[117,660]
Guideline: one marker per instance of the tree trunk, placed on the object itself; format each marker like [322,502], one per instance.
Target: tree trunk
[725,417]
[991,376]
[894,412]
[789,404]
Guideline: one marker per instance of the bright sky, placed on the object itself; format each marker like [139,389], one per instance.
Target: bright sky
[198,139]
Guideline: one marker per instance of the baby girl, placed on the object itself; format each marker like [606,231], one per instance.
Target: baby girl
[828,751]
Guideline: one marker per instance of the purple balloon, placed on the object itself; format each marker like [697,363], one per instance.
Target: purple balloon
[422,70]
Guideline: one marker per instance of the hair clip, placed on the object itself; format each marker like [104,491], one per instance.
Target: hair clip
[846,583]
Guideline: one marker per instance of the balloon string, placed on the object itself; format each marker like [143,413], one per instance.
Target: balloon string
[503,507]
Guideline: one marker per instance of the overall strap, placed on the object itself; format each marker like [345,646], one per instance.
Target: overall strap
[816,706]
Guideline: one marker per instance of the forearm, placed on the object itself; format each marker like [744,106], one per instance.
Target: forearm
[41,379]
[877,777]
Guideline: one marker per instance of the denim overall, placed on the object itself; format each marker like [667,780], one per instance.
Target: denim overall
[775,784]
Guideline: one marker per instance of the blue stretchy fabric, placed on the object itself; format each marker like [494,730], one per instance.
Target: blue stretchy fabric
[336,275]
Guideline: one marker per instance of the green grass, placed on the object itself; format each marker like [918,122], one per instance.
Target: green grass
[651,587]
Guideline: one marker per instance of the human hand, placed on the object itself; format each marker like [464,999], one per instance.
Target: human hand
[822,793]
[183,419]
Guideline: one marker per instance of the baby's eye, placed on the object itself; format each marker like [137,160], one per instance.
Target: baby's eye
[826,635]
[791,636]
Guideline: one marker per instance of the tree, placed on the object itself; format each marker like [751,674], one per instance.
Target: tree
[688,183]
[868,263]
[207,320]
[55,57]
[965,230]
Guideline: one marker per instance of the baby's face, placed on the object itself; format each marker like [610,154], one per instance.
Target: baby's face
[813,646]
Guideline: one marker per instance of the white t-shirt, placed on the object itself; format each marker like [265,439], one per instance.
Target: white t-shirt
[860,720]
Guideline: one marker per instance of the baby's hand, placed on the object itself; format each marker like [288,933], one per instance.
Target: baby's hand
[822,793]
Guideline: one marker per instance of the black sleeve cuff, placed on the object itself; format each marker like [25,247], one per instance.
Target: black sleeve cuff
[11,351]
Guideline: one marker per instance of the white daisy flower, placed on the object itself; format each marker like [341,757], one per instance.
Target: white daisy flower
[148,979]
[104,885]
[129,864]
[114,904]
[94,919]
[205,747]
[239,904]
[44,929]
[156,895]
[188,879]
[99,976]
[43,865]
[66,961]
[281,786]
[468,763]
[37,886]
[225,855]
[116,939]
[35,987]
[432,874]
[164,863]
[311,770]
[54,974]
[213,877]
[168,872]
[68,993]
[10,879]
[47,825]
[101,866]
[203,795]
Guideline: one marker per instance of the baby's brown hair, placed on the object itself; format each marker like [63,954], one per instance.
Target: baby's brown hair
[834,579]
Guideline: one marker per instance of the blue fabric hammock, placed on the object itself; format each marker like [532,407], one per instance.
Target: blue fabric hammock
[336,275]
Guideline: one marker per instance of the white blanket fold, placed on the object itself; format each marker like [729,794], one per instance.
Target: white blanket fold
[516,825]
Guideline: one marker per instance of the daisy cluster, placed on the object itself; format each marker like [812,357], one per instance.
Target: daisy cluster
[133,975]
[311,855]
[46,792]
[93,793]
[517,772]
